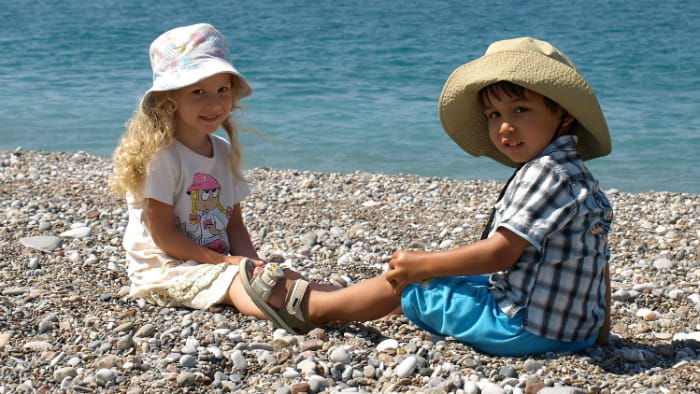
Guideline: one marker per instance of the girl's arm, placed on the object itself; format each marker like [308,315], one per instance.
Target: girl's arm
[496,253]
[238,235]
[160,220]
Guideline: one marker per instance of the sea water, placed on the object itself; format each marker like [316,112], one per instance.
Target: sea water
[342,86]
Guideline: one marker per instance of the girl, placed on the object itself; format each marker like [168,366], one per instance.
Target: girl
[183,184]
[186,239]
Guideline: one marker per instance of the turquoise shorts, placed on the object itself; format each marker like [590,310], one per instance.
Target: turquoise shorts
[463,307]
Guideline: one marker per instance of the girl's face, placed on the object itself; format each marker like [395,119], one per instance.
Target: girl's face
[521,127]
[202,107]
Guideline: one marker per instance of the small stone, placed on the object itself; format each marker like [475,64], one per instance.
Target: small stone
[185,378]
[124,327]
[45,325]
[406,367]
[65,372]
[126,342]
[307,367]
[301,387]
[79,232]
[663,264]
[239,360]
[5,338]
[110,361]
[37,346]
[311,344]
[187,361]
[340,355]
[290,373]
[508,371]
[105,375]
[647,314]
[531,365]
[43,243]
[387,344]
[147,330]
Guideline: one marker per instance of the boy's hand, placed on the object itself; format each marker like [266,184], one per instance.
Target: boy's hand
[406,267]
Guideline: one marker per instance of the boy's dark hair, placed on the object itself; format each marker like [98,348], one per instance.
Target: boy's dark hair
[506,88]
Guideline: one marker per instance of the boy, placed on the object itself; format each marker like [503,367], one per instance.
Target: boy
[523,104]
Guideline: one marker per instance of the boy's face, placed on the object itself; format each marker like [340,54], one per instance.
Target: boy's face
[521,127]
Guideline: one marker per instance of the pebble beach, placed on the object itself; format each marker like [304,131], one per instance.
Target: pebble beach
[68,326]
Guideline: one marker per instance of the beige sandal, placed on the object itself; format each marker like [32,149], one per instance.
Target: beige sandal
[290,317]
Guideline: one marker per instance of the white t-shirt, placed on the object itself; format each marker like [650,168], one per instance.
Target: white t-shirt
[202,190]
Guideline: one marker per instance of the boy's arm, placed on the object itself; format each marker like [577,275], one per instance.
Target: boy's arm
[160,220]
[496,253]
[604,331]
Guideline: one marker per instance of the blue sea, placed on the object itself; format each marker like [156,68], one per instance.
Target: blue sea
[342,86]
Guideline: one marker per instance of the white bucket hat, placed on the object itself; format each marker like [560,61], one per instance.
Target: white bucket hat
[532,64]
[185,55]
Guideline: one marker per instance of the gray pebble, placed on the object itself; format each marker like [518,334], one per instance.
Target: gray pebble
[187,361]
[105,375]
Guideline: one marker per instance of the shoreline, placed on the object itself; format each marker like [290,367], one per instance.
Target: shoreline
[66,323]
[607,185]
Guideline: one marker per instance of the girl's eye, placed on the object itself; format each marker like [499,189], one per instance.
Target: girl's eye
[215,193]
[224,89]
[205,195]
[520,110]
[198,91]
[492,115]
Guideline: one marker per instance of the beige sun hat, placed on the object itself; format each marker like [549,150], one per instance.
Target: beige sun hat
[535,65]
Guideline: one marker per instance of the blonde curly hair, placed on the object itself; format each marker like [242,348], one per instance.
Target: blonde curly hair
[149,132]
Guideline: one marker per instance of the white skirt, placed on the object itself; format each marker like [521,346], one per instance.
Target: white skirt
[183,284]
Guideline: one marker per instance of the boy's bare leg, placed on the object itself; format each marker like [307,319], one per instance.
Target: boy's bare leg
[366,300]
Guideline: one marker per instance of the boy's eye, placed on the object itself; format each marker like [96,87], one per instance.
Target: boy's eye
[198,91]
[224,89]
[492,115]
[520,109]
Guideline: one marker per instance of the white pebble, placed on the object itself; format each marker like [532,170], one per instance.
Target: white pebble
[647,314]
[80,232]
[239,360]
[340,355]
[387,344]
[406,367]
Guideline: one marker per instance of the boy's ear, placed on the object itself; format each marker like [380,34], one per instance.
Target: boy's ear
[568,120]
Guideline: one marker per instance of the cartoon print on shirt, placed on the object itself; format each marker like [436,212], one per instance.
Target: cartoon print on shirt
[208,219]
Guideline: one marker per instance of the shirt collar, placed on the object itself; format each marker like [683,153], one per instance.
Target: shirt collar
[562,143]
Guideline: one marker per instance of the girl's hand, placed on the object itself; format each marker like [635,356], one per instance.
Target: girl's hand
[406,267]
[236,260]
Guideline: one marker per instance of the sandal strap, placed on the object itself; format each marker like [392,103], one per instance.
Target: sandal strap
[295,296]
[292,312]
[265,280]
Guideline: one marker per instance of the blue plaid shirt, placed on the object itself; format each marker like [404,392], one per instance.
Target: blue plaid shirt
[559,281]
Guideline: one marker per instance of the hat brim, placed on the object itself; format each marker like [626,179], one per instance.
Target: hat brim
[194,74]
[463,119]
